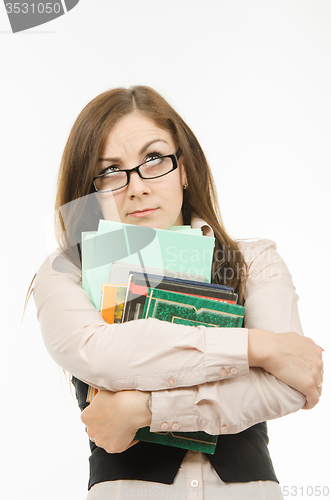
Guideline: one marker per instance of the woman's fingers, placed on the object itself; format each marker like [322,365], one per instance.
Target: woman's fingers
[313,397]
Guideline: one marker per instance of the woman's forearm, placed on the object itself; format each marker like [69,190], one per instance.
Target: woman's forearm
[143,354]
[154,355]
[224,407]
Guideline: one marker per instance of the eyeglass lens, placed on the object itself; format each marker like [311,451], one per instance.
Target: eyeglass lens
[149,170]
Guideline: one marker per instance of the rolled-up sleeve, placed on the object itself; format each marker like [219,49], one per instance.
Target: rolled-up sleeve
[236,403]
[148,355]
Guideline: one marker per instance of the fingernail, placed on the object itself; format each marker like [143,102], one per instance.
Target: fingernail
[321,348]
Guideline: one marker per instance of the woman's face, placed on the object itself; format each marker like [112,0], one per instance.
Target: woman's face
[154,202]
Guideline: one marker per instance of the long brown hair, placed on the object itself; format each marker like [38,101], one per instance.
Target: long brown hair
[78,165]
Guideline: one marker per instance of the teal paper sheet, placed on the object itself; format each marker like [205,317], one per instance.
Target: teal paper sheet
[182,250]
[88,250]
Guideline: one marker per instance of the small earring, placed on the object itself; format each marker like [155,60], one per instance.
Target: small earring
[185,186]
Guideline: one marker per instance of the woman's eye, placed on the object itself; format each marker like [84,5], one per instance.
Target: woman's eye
[153,159]
[110,169]
[152,156]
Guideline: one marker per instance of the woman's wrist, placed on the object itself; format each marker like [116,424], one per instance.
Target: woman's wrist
[146,414]
[149,404]
[259,342]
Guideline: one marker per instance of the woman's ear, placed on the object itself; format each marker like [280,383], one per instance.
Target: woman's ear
[183,176]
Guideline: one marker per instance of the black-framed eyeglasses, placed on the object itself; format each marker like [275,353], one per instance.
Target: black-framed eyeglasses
[111,180]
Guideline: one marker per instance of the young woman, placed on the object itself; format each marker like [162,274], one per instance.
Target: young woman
[152,373]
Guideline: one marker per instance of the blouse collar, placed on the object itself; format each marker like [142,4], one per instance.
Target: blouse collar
[196,222]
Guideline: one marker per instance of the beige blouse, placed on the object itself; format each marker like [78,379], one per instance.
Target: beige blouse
[199,377]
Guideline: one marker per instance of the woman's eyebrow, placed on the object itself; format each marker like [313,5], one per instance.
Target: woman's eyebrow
[143,149]
[149,144]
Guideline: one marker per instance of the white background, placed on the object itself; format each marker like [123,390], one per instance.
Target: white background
[252,79]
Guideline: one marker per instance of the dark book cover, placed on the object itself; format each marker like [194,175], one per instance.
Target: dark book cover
[138,285]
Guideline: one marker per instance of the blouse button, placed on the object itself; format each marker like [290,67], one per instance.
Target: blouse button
[164,426]
[224,429]
[223,373]
[234,370]
[194,483]
[171,380]
[175,426]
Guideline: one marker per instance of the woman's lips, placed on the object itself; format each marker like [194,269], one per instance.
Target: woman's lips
[143,213]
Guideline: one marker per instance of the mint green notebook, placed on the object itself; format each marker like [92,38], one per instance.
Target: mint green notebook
[88,249]
[193,311]
[182,250]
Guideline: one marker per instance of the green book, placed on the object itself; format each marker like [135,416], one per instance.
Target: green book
[193,311]
[198,441]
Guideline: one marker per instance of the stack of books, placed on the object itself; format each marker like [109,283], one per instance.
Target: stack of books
[135,272]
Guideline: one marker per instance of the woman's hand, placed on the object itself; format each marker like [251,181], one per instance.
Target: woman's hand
[291,358]
[113,418]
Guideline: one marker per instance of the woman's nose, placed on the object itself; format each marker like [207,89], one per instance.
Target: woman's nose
[137,185]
